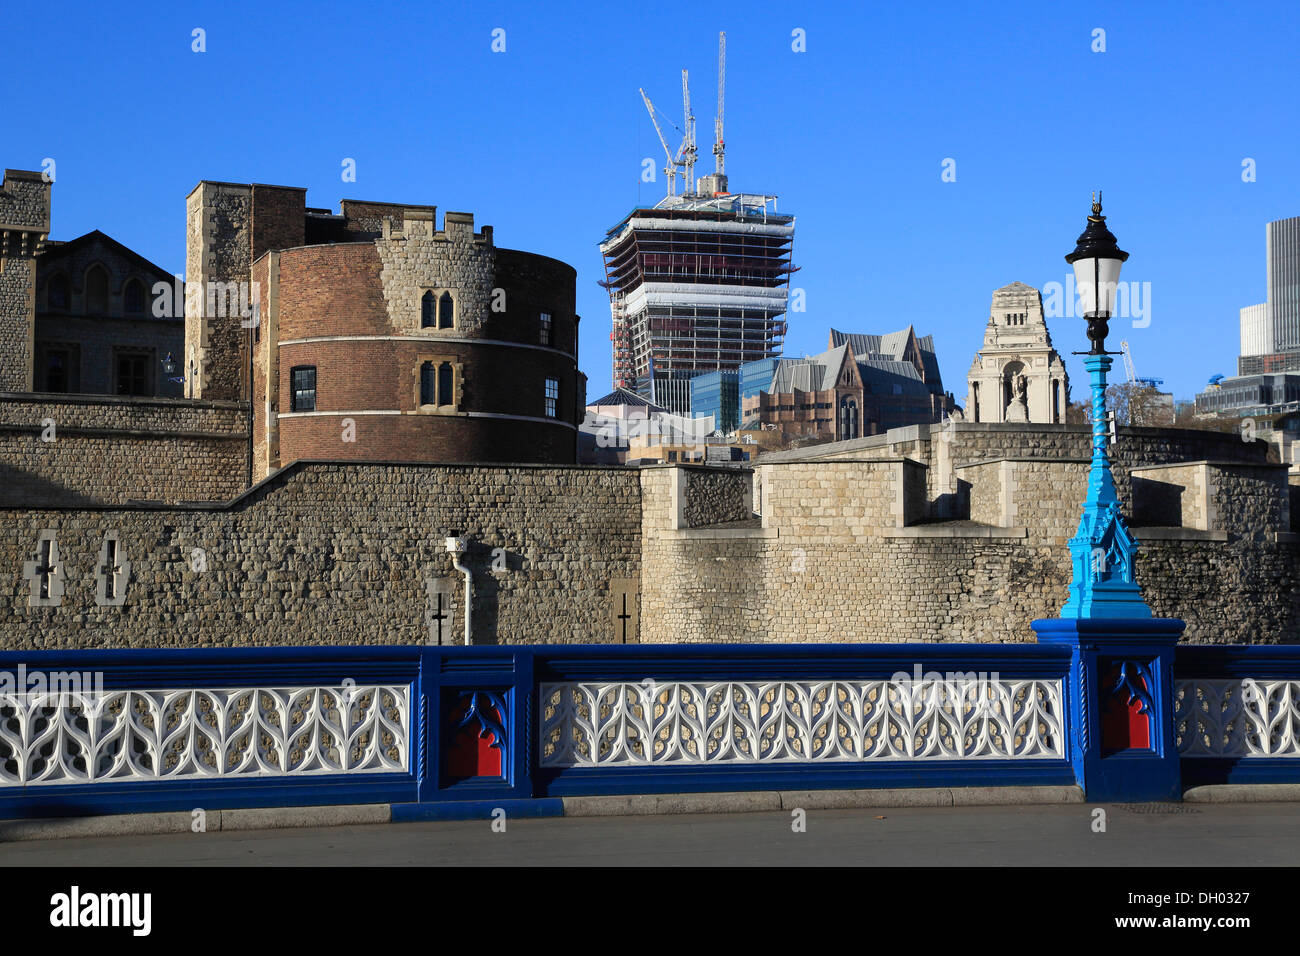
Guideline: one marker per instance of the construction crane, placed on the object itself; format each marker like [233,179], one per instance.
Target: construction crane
[688,144]
[1131,374]
[1128,362]
[719,147]
[670,168]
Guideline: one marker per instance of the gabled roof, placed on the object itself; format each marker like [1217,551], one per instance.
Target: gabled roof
[890,348]
[623,396]
[816,374]
[56,251]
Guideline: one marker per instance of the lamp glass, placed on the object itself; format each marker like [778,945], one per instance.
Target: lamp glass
[1097,280]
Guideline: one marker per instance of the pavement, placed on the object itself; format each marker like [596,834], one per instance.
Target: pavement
[1071,835]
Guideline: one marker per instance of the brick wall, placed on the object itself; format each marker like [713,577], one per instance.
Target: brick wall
[354,296]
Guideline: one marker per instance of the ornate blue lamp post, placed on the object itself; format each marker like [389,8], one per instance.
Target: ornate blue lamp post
[1121,694]
[1102,552]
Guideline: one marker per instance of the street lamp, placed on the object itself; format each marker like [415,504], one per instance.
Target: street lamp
[1122,741]
[169,369]
[1103,552]
[1097,259]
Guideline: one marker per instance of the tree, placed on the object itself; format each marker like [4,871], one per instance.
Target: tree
[1132,403]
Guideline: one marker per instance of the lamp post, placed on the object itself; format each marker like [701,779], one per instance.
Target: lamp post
[1120,688]
[1103,551]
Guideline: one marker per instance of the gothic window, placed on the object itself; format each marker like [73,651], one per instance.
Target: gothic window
[302,386]
[848,419]
[446,385]
[133,297]
[446,311]
[56,293]
[428,383]
[96,290]
[426,311]
[552,397]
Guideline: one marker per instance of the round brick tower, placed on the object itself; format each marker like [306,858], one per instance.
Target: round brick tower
[418,345]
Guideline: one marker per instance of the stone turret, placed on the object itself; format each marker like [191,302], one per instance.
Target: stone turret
[24,226]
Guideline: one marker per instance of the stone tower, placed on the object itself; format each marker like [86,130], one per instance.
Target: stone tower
[24,226]
[1017,376]
[227,227]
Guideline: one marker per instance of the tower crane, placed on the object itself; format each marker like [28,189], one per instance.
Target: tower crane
[719,147]
[1128,362]
[688,144]
[670,168]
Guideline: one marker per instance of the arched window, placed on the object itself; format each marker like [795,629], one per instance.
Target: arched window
[446,311]
[96,290]
[848,418]
[426,311]
[428,384]
[133,297]
[446,387]
[56,293]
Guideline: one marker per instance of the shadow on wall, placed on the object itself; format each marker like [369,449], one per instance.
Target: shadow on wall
[20,488]
[1157,504]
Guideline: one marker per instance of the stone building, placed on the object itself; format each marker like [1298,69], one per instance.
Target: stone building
[1017,376]
[78,317]
[99,328]
[374,335]
[862,385]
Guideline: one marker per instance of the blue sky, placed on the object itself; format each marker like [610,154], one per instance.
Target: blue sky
[545,140]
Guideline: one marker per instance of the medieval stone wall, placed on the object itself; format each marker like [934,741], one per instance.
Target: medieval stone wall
[17,311]
[832,563]
[340,554]
[70,451]
[218,248]
[715,497]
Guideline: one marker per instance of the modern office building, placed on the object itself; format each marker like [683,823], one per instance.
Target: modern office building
[1270,331]
[1256,330]
[725,395]
[1283,251]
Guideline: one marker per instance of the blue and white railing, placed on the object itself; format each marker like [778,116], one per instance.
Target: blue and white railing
[451,728]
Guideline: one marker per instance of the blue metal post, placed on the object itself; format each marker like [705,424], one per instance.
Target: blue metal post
[1120,697]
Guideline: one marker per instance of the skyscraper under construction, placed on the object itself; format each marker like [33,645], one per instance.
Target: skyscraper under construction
[697,282]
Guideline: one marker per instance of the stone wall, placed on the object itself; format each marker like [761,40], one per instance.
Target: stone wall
[1171,496]
[453,259]
[714,497]
[341,554]
[113,450]
[833,562]
[1249,501]
[218,248]
[945,447]
[1043,495]
[17,317]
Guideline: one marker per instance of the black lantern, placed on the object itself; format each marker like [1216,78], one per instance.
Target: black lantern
[1097,259]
